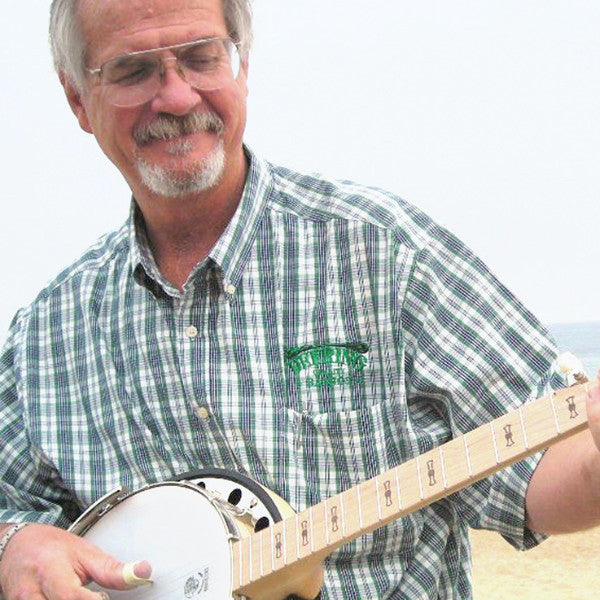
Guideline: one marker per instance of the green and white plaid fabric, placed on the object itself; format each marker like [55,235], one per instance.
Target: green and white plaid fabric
[333,333]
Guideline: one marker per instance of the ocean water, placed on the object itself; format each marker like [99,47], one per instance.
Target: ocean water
[582,339]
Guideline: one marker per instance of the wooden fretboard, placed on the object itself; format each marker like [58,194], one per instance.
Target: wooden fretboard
[314,533]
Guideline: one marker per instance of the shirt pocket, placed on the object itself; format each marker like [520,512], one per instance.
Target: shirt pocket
[338,449]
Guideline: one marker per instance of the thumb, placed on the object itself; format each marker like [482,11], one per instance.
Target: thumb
[136,574]
[113,574]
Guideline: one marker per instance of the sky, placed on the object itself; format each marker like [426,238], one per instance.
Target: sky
[484,113]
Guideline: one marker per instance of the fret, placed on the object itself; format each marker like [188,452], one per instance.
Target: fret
[554,413]
[468,456]
[378,500]
[342,515]
[455,461]
[327,524]
[266,550]
[255,558]
[408,477]
[539,422]
[421,495]
[326,515]
[494,442]
[296,517]
[272,546]
[369,507]
[360,514]
[443,465]
[523,428]
[319,526]
[398,488]
[481,450]
[290,537]
[351,516]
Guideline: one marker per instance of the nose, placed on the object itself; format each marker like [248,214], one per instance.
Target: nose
[175,95]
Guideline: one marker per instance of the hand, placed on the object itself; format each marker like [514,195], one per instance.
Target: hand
[593,410]
[42,562]
[564,492]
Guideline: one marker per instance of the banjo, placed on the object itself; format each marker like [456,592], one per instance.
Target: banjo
[245,542]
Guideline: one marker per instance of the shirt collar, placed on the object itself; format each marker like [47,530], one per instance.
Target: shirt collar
[233,248]
[230,253]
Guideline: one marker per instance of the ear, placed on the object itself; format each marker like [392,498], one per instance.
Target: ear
[75,102]
[245,61]
[244,65]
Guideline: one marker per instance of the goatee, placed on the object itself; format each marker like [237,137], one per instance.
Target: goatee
[173,182]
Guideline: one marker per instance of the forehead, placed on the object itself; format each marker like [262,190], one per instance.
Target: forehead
[113,27]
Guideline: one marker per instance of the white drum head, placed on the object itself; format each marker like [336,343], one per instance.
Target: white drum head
[180,532]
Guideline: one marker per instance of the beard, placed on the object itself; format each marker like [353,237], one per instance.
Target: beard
[173,182]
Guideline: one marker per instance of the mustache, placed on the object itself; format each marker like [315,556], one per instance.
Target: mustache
[167,127]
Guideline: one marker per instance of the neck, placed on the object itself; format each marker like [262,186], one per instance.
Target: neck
[183,230]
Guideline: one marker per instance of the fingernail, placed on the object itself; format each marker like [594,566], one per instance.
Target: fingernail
[103,596]
[131,578]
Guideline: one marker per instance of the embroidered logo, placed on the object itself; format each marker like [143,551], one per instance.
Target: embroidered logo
[329,365]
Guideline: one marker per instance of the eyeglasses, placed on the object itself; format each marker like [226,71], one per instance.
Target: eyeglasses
[135,78]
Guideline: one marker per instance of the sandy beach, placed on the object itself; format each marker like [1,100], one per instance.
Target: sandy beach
[563,567]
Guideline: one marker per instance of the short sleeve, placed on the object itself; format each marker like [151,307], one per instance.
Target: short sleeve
[474,352]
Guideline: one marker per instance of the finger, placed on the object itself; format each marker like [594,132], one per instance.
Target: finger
[136,574]
[110,573]
[93,595]
[69,588]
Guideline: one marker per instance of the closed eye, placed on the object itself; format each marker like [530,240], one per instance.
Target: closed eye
[201,60]
[130,72]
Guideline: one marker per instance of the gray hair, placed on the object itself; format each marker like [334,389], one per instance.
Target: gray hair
[68,44]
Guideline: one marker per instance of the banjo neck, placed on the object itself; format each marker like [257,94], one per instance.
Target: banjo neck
[308,537]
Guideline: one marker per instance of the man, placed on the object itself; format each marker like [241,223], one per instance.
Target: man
[172,344]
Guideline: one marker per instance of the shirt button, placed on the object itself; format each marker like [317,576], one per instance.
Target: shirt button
[203,413]
[230,289]
[191,332]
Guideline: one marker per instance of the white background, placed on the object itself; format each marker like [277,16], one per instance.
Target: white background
[484,113]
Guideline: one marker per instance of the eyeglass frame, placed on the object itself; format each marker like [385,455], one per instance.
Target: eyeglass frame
[237,45]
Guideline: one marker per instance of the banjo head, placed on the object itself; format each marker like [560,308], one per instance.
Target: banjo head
[179,529]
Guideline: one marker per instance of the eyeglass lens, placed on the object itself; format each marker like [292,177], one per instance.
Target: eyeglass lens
[134,79]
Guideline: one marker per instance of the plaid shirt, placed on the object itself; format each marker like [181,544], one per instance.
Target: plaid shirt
[333,332]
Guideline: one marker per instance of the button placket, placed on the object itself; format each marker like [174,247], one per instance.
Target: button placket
[190,318]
